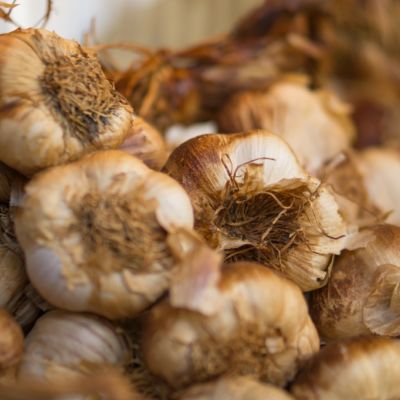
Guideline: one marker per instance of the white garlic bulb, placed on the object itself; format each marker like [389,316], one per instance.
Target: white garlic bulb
[95,233]
[66,345]
[56,103]
[254,201]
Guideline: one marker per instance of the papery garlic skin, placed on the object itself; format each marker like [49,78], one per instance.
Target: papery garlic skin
[235,388]
[257,169]
[66,345]
[362,368]
[380,169]
[95,233]
[361,293]
[316,124]
[60,107]
[11,341]
[13,277]
[258,325]
[145,142]
[6,178]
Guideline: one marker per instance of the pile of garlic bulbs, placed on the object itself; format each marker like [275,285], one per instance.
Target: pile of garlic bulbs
[131,273]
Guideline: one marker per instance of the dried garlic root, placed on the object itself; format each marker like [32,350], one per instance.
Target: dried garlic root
[95,233]
[254,201]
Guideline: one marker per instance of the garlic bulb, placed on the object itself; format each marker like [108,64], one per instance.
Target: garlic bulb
[235,388]
[11,341]
[244,319]
[363,369]
[56,103]
[362,295]
[66,345]
[253,201]
[146,143]
[95,233]
[316,125]
[12,271]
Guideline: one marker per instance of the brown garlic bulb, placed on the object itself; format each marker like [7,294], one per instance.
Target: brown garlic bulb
[95,233]
[11,341]
[253,201]
[13,277]
[316,125]
[66,345]
[363,368]
[235,388]
[146,143]
[56,103]
[244,319]
[362,295]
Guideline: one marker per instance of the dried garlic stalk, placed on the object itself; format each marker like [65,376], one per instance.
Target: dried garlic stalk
[244,319]
[316,124]
[61,106]
[235,388]
[146,143]
[253,201]
[363,369]
[95,233]
[362,295]
[66,345]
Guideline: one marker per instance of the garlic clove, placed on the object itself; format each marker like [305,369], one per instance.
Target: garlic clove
[67,345]
[59,108]
[357,298]
[95,233]
[145,142]
[253,201]
[316,124]
[235,388]
[185,344]
[361,368]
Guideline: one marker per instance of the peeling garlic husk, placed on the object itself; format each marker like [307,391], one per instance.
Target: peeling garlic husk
[11,341]
[362,295]
[61,107]
[244,319]
[254,201]
[13,277]
[316,124]
[145,142]
[362,368]
[95,233]
[66,345]
[235,388]
[6,177]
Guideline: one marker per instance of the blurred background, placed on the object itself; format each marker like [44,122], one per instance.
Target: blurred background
[154,23]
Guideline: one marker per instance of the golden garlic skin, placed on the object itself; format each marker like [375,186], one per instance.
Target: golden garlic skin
[249,322]
[56,103]
[362,368]
[315,124]
[362,295]
[145,142]
[11,341]
[66,345]
[235,388]
[253,201]
[95,233]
